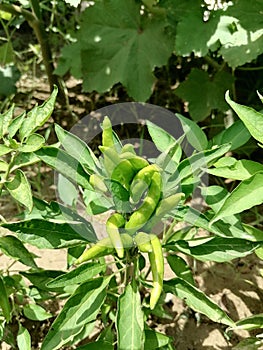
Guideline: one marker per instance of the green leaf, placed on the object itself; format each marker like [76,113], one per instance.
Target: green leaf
[252,119]
[24,159]
[40,278]
[80,309]
[4,302]
[97,345]
[238,170]
[155,340]
[194,134]
[81,274]
[5,120]
[249,323]
[218,249]
[180,268]
[15,125]
[237,134]
[67,192]
[9,75]
[197,300]
[250,343]
[164,141]
[130,319]
[246,195]
[38,116]
[14,248]
[204,94]
[64,164]
[120,196]
[124,47]
[20,190]
[23,338]
[78,149]
[35,312]
[4,150]
[51,235]
[33,143]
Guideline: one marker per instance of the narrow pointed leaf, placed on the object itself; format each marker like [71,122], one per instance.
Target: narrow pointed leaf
[80,309]
[252,119]
[246,195]
[197,300]
[14,248]
[130,320]
[5,120]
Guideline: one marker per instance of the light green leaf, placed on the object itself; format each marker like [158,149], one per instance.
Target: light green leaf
[52,235]
[237,134]
[252,119]
[155,340]
[14,248]
[238,170]
[5,120]
[23,338]
[20,189]
[204,94]
[81,274]
[246,195]
[197,300]
[4,150]
[38,116]
[218,249]
[194,134]
[15,125]
[249,323]
[64,164]
[32,144]
[24,159]
[3,166]
[80,309]
[35,312]
[130,319]
[78,149]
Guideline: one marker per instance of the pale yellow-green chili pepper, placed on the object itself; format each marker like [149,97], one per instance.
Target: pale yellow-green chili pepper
[139,217]
[114,222]
[107,134]
[101,248]
[143,242]
[157,267]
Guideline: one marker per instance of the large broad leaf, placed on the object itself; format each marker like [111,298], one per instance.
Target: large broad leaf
[197,300]
[47,235]
[252,119]
[14,248]
[65,164]
[246,195]
[80,309]
[123,46]
[130,319]
[204,94]
[218,249]
[20,190]
[38,116]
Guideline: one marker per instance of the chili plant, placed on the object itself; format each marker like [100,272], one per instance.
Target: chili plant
[110,283]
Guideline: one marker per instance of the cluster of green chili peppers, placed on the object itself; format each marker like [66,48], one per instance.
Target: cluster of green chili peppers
[129,229]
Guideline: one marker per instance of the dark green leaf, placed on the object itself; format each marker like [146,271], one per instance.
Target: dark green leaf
[14,248]
[155,340]
[4,302]
[98,345]
[47,235]
[249,323]
[180,268]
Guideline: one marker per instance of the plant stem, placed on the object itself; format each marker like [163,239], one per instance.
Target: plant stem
[38,27]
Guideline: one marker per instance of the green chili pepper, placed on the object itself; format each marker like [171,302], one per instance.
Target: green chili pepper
[127,240]
[107,134]
[168,203]
[139,218]
[97,183]
[101,248]
[113,224]
[141,182]
[137,162]
[4,302]
[143,242]
[123,173]
[157,267]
